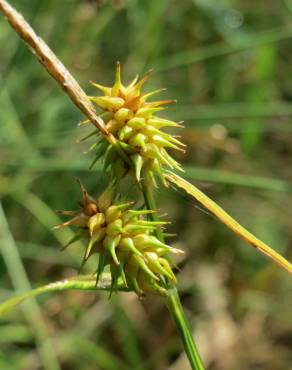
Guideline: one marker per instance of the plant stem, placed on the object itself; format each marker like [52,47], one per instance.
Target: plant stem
[173,301]
[58,71]
[176,310]
[147,190]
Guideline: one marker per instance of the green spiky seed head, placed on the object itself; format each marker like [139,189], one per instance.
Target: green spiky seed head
[133,120]
[124,241]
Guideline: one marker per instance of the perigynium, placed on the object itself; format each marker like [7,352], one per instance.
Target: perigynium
[124,240]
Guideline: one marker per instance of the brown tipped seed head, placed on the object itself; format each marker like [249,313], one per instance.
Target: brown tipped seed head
[124,240]
[132,119]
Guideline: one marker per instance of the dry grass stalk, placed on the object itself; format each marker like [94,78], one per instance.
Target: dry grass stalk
[54,66]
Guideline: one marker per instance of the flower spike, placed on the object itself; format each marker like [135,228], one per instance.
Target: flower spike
[124,240]
[132,119]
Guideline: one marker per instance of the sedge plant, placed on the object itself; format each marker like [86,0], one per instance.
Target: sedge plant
[132,140]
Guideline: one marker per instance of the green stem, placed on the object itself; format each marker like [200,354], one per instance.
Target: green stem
[176,310]
[147,190]
[173,301]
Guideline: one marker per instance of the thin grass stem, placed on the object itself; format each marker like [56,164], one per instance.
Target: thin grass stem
[147,190]
[173,301]
[176,310]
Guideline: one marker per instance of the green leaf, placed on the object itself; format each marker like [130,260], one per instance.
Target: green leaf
[236,179]
[85,282]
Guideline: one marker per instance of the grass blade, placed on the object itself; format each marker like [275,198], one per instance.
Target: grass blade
[221,49]
[21,283]
[236,179]
[228,220]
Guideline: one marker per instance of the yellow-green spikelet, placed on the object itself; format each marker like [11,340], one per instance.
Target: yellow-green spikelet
[124,241]
[132,120]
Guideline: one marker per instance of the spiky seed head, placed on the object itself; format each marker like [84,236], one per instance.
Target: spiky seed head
[133,120]
[124,240]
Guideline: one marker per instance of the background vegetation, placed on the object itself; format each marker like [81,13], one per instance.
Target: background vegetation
[229,65]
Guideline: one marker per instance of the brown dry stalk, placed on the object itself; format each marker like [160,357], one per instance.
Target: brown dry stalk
[54,66]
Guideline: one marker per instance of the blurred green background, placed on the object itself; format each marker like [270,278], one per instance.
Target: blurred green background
[229,65]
